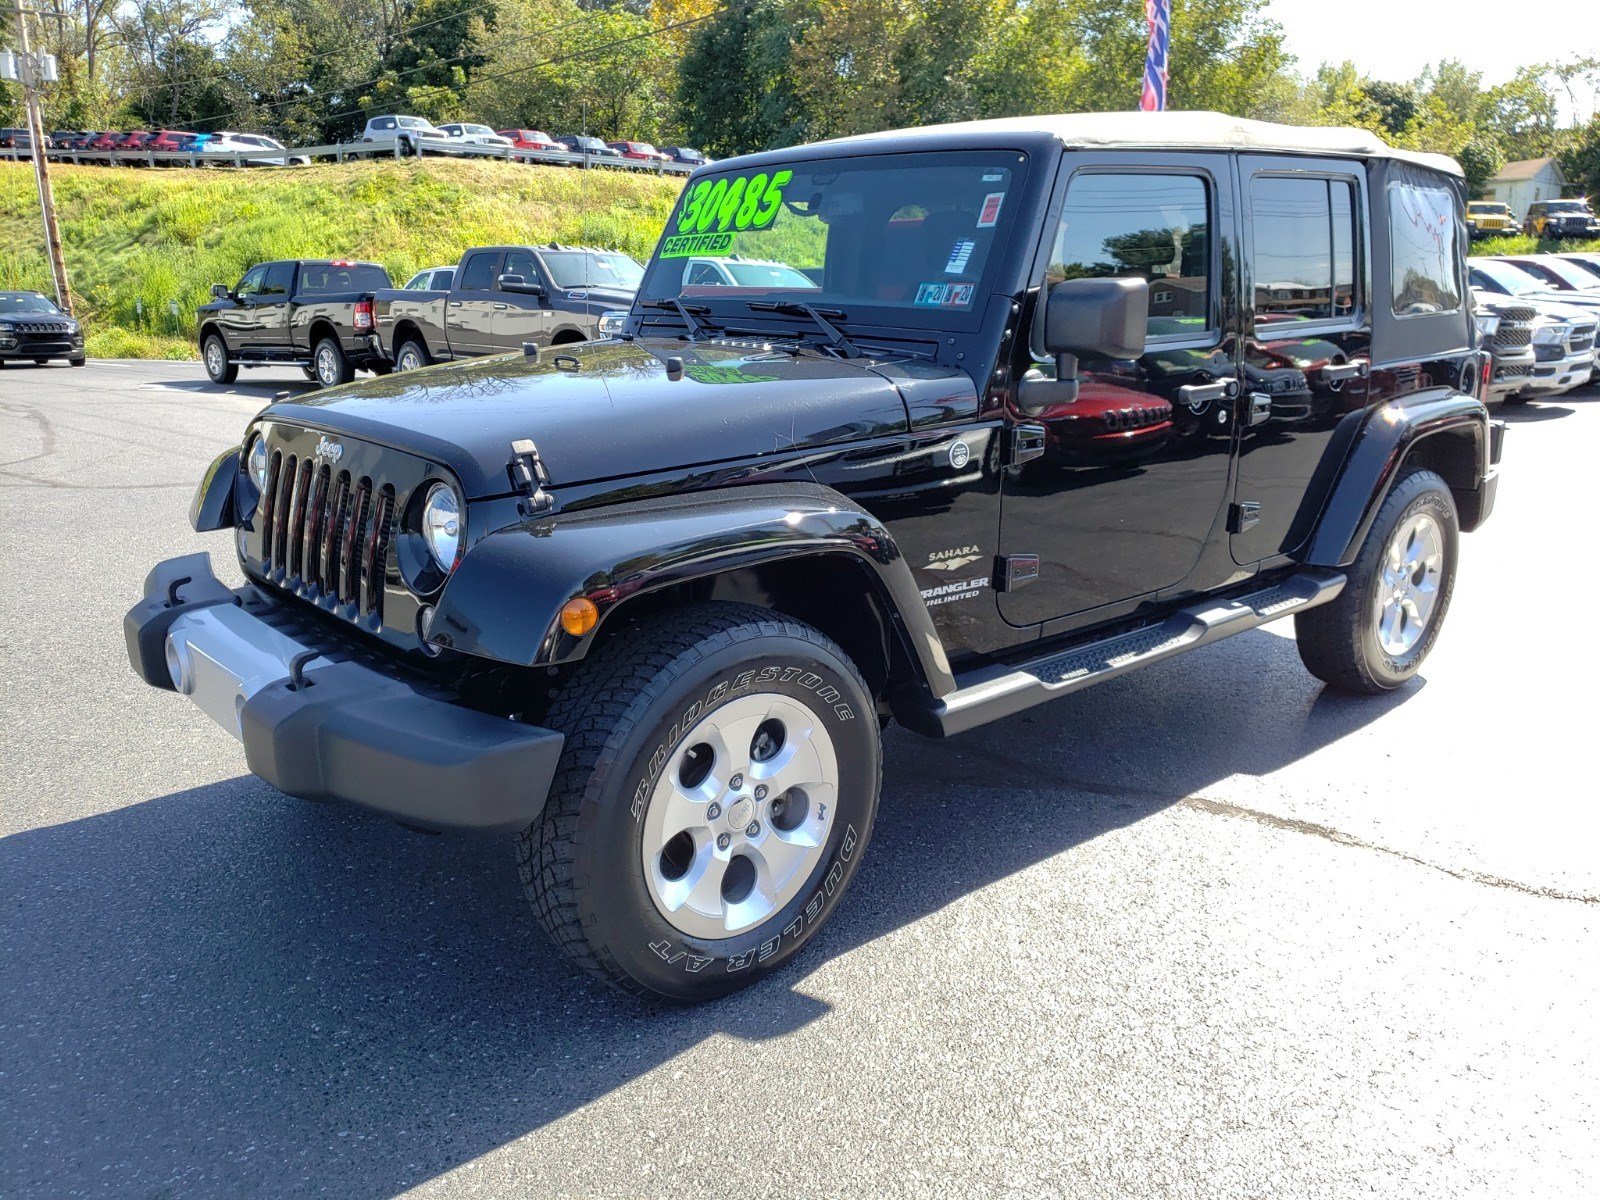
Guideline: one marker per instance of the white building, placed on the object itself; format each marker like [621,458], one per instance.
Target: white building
[1522,182]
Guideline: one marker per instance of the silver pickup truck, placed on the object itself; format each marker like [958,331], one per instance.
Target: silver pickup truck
[501,297]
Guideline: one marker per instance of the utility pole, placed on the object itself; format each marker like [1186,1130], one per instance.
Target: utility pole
[29,69]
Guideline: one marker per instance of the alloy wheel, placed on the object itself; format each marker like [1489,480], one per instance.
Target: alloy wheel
[1408,584]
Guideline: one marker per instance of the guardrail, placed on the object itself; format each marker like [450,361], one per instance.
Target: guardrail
[342,152]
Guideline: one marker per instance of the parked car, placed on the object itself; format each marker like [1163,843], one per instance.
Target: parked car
[64,139]
[1562,276]
[413,133]
[1562,219]
[577,143]
[138,139]
[1504,278]
[34,329]
[501,297]
[1564,347]
[1490,218]
[101,145]
[465,133]
[19,140]
[1505,329]
[431,277]
[739,271]
[640,151]
[252,150]
[685,154]
[1590,263]
[313,313]
[169,141]
[648,603]
[531,139]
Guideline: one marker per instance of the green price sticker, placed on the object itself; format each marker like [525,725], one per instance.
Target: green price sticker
[740,203]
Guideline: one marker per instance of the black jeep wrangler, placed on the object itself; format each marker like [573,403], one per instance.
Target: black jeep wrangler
[1020,406]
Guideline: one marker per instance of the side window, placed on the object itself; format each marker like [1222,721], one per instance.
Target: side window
[520,262]
[1149,226]
[702,274]
[1303,245]
[477,273]
[279,277]
[252,282]
[1425,267]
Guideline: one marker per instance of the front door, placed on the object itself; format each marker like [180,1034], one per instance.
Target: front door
[1135,474]
[272,307]
[469,309]
[239,320]
[1308,338]
[518,316]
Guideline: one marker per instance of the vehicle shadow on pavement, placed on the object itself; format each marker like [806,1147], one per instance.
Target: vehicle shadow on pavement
[270,996]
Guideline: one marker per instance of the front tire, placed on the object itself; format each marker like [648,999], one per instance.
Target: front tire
[331,364]
[1376,634]
[215,354]
[715,796]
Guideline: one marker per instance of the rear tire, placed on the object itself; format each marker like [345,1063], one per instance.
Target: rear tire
[1376,634]
[215,353]
[413,355]
[662,863]
[330,364]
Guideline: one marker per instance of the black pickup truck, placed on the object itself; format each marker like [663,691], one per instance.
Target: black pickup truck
[1043,401]
[503,297]
[312,313]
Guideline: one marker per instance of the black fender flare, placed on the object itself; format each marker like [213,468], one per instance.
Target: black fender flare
[213,507]
[1384,438]
[503,602]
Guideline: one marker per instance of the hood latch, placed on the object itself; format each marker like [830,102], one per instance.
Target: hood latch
[528,475]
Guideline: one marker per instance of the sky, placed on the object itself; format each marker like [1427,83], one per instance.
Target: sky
[1396,39]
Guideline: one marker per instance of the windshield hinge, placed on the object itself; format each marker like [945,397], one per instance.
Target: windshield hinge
[528,475]
[1024,443]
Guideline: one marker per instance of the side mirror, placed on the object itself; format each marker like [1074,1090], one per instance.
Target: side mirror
[1107,318]
[219,291]
[516,283]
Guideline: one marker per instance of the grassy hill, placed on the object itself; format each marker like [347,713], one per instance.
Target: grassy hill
[139,239]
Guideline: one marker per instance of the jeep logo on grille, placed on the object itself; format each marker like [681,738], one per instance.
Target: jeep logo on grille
[332,451]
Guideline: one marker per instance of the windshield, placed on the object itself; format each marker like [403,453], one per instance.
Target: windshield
[1570,275]
[1568,206]
[1510,279]
[1493,209]
[904,231]
[592,268]
[25,302]
[413,123]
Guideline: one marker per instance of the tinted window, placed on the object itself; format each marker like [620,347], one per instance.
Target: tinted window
[593,268]
[1151,227]
[520,262]
[328,278]
[477,273]
[280,276]
[250,285]
[1303,237]
[1424,272]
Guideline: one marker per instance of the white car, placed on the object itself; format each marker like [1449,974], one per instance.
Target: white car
[411,131]
[463,132]
[735,271]
[431,279]
[272,151]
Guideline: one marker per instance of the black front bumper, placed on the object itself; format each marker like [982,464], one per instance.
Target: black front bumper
[333,725]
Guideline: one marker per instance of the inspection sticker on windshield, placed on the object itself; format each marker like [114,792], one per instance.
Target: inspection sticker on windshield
[959,254]
[944,295]
[991,209]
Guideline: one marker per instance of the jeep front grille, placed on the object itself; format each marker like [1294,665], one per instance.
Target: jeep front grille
[326,533]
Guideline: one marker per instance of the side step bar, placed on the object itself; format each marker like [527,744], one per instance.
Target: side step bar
[997,692]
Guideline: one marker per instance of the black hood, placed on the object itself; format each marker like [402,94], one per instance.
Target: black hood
[609,409]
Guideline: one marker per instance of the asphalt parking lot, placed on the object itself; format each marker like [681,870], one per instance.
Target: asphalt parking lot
[1202,931]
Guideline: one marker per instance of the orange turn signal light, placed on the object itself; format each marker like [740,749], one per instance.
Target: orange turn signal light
[579,616]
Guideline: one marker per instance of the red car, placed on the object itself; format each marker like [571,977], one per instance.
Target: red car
[639,150]
[530,139]
[1107,425]
[170,140]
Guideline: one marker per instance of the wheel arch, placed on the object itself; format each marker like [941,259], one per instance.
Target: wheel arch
[322,327]
[803,550]
[207,329]
[406,330]
[1442,430]
[568,335]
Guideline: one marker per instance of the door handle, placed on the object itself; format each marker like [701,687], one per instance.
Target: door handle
[455,304]
[502,307]
[1356,368]
[1196,395]
[1260,409]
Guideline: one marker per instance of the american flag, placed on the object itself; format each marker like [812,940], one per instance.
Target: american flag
[1159,14]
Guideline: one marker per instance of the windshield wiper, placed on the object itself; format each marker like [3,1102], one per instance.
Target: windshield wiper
[689,312]
[824,317]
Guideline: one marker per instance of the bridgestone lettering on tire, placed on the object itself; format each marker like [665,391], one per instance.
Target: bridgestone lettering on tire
[721,750]
[1376,634]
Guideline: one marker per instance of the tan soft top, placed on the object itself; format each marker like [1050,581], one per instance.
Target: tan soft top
[1184,131]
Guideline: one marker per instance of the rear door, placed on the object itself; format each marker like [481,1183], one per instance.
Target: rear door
[518,316]
[1307,338]
[469,310]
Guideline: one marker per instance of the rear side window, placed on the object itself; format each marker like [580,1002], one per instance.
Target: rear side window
[1303,246]
[1425,270]
[477,273]
[1147,226]
[326,278]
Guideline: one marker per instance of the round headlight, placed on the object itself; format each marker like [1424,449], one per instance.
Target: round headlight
[441,524]
[256,462]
